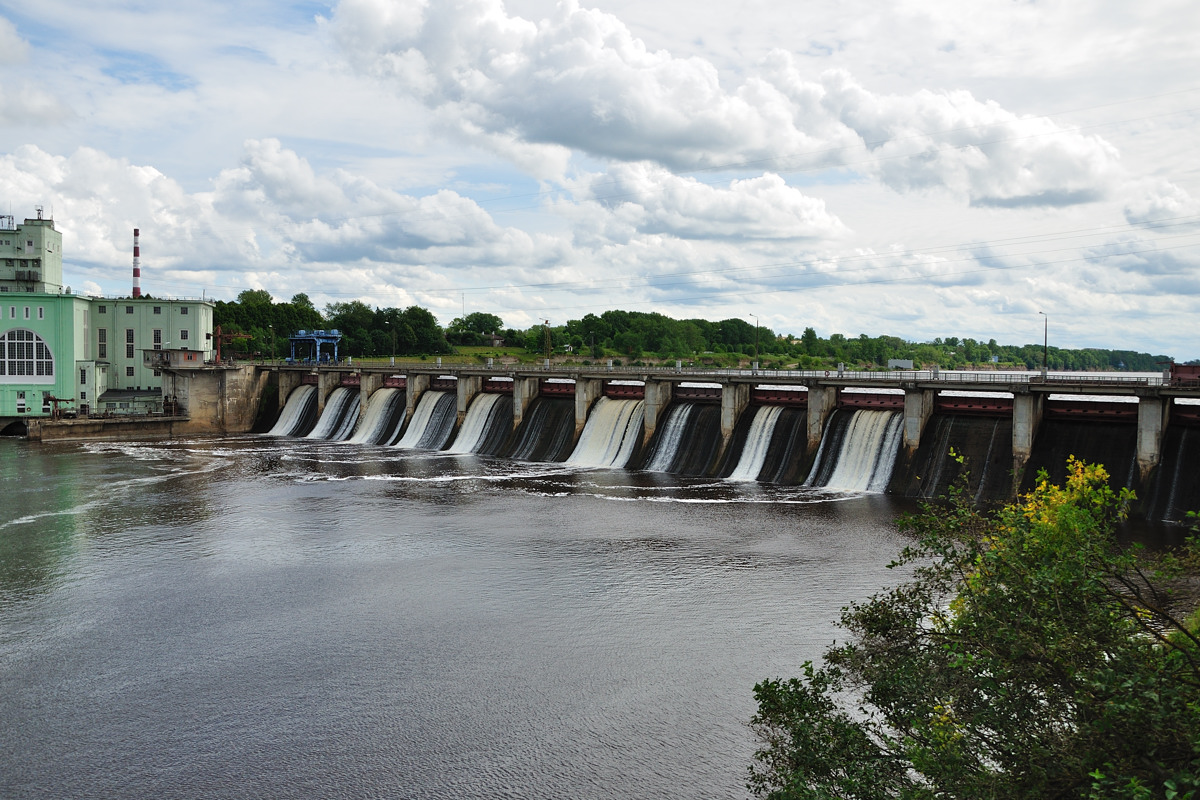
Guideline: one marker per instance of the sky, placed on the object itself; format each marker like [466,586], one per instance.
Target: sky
[1002,169]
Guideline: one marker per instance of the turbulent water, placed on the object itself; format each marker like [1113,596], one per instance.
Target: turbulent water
[341,412]
[291,618]
[475,425]
[860,456]
[757,443]
[299,403]
[610,434]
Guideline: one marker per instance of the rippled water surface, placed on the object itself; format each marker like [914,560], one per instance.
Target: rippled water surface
[293,619]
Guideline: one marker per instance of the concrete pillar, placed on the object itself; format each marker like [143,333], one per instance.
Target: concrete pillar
[326,382]
[524,392]
[822,400]
[414,387]
[1027,417]
[468,387]
[289,379]
[918,407]
[369,384]
[587,391]
[1152,419]
[734,399]
[658,396]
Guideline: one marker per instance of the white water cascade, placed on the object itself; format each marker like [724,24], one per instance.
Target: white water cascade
[475,425]
[420,419]
[868,451]
[611,433]
[370,428]
[293,411]
[668,440]
[754,452]
[341,406]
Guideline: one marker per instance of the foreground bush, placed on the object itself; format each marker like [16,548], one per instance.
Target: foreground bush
[1030,656]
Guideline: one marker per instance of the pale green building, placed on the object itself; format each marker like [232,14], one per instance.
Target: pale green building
[84,352]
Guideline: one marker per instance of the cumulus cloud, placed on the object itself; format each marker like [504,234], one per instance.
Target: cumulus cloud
[581,80]
[272,212]
[651,199]
[1160,202]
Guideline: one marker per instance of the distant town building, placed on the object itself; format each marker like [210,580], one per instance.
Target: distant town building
[81,354]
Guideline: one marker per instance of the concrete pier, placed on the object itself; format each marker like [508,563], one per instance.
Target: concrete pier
[288,381]
[1027,418]
[821,402]
[734,399]
[525,391]
[414,387]
[658,396]
[368,384]
[468,387]
[918,408]
[326,383]
[587,391]
[1152,420]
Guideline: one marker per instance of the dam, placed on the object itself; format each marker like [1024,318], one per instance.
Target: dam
[905,433]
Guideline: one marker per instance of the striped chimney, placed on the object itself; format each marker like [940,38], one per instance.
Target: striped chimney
[137,266]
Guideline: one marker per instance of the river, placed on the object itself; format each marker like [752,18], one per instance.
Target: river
[262,618]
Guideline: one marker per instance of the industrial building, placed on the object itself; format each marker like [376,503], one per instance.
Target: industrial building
[81,355]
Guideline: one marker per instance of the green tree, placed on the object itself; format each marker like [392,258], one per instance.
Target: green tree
[1029,657]
[254,297]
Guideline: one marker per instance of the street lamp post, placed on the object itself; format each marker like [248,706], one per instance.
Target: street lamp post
[272,328]
[755,338]
[1045,342]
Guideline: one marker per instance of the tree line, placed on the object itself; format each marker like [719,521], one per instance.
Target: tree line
[632,337]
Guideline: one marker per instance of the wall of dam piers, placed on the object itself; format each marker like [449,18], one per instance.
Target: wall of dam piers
[907,433]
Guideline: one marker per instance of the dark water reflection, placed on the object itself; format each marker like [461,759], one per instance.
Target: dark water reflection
[255,618]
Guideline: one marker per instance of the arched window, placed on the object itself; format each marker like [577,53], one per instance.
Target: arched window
[25,358]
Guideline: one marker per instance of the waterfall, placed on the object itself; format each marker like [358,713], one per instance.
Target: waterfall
[669,439]
[374,424]
[291,419]
[432,422]
[610,435]
[343,404]
[754,454]
[546,434]
[475,424]
[864,454]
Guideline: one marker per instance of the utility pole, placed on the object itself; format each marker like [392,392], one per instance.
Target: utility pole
[755,336]
[1045,342]
[546,331]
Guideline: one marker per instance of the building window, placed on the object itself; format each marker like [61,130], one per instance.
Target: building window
[26,312]
[83,377]
[82,394]
[128,309]
[129,351]
[12,312]
[183,310]
[102,310]
[129,372]
[41,313]
[102,351]
[158,309]
[183,336]
[129,336]
[158,336]
[24,353]
[157,373]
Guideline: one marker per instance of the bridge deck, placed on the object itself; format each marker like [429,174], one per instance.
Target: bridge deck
[1074,383]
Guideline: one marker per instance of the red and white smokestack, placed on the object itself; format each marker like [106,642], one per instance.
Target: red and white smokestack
[137,266]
